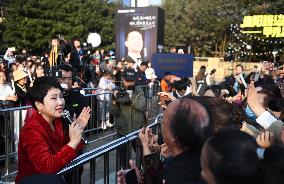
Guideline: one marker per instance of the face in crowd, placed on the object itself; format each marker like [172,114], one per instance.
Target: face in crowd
[39,71]
[66,79]
[77,44]
[47,97]
[238,70]
[52,105]
[2,78]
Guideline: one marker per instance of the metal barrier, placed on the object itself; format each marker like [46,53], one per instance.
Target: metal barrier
[100,119]
[104,151]
[13,119]
[98,100]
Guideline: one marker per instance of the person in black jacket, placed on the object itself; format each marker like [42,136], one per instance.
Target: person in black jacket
[140,74]
[76,55]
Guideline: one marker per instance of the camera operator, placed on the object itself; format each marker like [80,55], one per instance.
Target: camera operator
[128,108]
[61,47]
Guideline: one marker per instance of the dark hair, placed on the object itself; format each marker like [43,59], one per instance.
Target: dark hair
[271,168]
[203,67]
[277,105]
[272,90]
[232,157]
[167,73]
[40,88]
[224,114]
[191,125]
[66,67]
[239,65]
[144,63]
[180,85]
[213,71]
[106,73]
[216,89]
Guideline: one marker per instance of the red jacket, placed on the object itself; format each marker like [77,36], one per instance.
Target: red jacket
[41,150]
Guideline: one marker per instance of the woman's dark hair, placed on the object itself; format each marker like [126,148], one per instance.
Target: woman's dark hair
[277,105]
[224,114]
[180,85]
[40,88]
[272,90]
[106,73]
[271,168]
[232,157]
[216,89]
[36,66]
[190,124]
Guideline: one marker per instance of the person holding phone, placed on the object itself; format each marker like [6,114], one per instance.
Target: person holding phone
[9,55]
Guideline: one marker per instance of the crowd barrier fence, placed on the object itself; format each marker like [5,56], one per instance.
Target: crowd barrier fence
[12,119]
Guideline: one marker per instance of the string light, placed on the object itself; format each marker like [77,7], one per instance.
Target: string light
[235,29]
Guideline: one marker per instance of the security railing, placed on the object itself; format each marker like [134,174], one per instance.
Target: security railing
[104,152]
[13,119]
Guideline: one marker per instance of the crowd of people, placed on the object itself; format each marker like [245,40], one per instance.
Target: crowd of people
[51,84]
[231,132]
[212,132]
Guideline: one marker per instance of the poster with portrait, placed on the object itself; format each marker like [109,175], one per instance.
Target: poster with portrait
[139,31]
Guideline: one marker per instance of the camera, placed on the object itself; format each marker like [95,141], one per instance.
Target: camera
[122,96]
[56,73]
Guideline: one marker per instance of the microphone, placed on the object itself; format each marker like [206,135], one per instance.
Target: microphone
[66,114]
[243,80]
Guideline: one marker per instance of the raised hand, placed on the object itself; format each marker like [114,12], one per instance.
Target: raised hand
[265,139]
[252,100]
[75,134]
[84,117]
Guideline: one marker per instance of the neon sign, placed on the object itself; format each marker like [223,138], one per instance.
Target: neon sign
[268,25]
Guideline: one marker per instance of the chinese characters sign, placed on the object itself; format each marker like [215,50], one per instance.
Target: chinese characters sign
[178,64]
[268,25]
[143,22]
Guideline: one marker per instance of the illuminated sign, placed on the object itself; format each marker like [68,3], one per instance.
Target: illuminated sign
[268,25]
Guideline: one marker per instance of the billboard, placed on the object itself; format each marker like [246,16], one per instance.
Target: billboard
[139,31]
[178,64]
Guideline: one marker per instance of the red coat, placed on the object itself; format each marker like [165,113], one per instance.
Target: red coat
[41,150]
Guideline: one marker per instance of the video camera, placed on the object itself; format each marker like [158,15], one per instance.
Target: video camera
[122,96]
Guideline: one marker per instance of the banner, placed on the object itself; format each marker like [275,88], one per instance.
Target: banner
[138,30]
[180,65]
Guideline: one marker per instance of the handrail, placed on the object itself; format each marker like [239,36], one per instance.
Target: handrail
[15,108]
[95,94]
[88,156]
